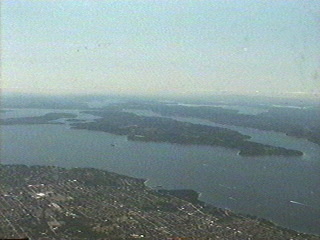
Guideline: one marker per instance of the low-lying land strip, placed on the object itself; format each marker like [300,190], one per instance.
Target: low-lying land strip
[160,129]
[302,123]
[45,119]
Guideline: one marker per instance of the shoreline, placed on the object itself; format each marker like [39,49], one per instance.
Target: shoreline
[204,204]
[188,195]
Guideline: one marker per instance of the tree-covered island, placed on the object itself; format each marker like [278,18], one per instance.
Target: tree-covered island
[159,129]
[296,122]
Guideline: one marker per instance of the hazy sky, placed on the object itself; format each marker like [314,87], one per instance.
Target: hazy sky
[168,46]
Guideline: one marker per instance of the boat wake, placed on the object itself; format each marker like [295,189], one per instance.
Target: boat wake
[301,204]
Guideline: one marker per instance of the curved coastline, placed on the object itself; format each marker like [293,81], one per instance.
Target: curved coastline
[160,183]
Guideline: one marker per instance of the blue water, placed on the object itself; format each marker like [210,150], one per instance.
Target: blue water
[262,186]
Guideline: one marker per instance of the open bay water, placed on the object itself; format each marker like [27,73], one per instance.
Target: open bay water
[285,190]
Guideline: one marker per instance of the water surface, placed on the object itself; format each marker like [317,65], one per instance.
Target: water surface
[262,186]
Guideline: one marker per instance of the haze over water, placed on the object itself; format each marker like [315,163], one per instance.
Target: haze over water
[170,48]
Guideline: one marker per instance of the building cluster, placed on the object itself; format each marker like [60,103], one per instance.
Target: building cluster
[60,204]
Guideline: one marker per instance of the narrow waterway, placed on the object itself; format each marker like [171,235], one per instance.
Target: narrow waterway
[269,187]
